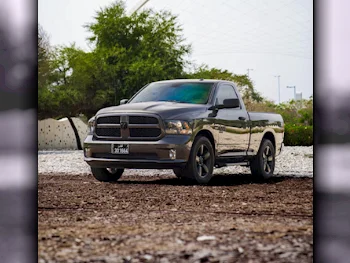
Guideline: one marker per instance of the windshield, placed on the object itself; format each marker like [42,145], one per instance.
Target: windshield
[190,92]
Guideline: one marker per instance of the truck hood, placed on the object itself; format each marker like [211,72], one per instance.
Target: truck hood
[166,110]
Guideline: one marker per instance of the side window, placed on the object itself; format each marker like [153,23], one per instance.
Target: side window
[225,91]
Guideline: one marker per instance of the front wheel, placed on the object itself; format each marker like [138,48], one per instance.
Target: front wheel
[263,164]
[200,164]
[107,174]
[179,172]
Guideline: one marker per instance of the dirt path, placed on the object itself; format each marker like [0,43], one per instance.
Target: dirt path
[162,219]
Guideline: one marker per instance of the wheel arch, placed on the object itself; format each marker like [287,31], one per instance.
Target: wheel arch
[270,136]
[209,135]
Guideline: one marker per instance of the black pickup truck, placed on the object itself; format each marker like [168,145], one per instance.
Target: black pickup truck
[190,126]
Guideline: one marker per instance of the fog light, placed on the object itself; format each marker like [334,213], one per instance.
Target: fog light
[87,152]
[172,154]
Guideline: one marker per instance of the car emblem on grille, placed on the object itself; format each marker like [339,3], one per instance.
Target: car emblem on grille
[123,125]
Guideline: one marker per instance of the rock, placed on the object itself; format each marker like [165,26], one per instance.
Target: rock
[127,259]
[286,255]
[265,248]
[205,238]
[147,257]
[164,260]
[179,241]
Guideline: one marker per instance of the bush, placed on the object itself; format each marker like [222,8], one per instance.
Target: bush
[298,135]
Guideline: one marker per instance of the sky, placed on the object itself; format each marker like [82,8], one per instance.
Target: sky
[272,37]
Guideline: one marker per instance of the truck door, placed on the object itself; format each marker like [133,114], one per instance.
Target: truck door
[234,132]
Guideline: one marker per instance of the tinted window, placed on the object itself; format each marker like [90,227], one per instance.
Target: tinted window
[190,92]
[225,92]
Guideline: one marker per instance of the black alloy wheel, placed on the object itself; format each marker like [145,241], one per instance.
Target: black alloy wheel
[262,165]
[203,160]
[200,164]
[107,174]
[267,159]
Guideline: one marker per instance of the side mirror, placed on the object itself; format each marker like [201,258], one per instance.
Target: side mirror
[123,101]
[231,103]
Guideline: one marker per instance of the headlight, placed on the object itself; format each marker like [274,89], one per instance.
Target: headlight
[177,127]
[91,125]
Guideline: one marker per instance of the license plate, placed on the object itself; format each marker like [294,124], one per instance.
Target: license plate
[120,148]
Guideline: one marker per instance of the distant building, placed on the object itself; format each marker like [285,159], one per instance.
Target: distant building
[298,99]
[299,96]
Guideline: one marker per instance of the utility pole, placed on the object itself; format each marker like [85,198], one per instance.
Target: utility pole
[138,7]
[279,90]
[249,70]
[295,93]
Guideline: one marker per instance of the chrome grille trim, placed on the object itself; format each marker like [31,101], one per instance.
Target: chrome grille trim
[144,126]
[105,125]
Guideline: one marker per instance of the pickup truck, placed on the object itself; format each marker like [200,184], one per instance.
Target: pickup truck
[189,126]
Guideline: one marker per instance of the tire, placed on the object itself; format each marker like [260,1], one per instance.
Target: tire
[178,172]
[200,164]
[263,164]
[107,174]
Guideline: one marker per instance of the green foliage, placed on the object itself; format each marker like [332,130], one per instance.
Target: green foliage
[264,106]
[80,82]
[45,97]
[292,112]
[300,112]
[43,57]
[138,49]
[298,135]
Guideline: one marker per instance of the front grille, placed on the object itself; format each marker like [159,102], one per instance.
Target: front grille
[142,120]
[108,132]
[145,132]
[108,120]
[139,127]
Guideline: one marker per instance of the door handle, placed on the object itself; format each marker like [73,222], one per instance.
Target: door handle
[241,118]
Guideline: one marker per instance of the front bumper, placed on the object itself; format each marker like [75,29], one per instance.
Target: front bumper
[142,154]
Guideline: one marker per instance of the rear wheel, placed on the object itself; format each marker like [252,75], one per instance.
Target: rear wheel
[263,164]
[200,164]
[107,174]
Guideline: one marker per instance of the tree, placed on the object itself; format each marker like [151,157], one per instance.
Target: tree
[43,57]
[137,49]
[45,97]
[80,84]
[293,113]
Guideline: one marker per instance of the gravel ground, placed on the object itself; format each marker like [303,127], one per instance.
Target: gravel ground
[163,219]
[157,217]
[294,161]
